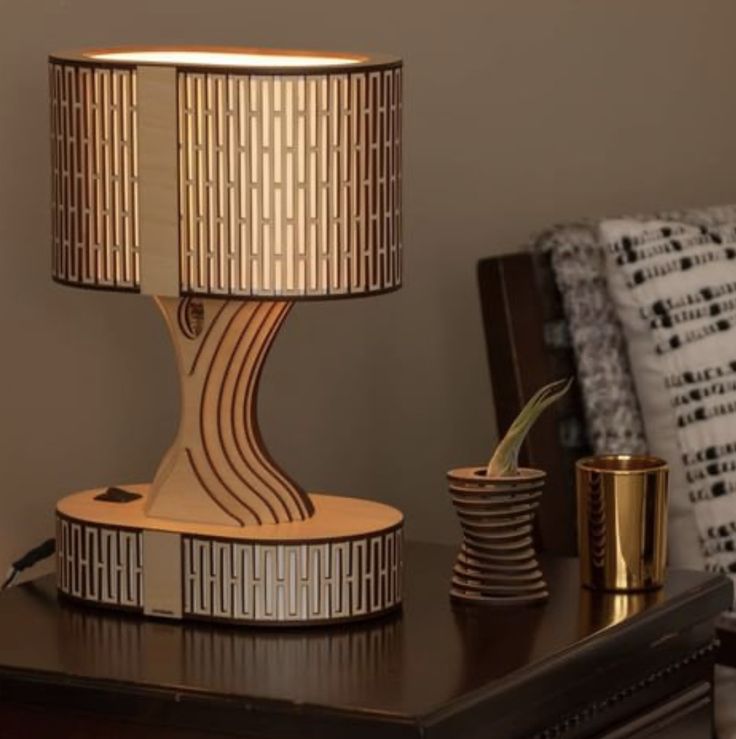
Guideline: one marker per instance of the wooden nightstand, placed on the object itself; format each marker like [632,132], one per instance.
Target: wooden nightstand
[581,665]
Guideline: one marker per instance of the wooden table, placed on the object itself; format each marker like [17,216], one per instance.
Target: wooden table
[581,665]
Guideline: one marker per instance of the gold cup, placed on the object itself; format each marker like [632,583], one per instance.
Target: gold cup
[622,521]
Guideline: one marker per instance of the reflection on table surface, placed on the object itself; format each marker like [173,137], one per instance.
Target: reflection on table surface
[428,655]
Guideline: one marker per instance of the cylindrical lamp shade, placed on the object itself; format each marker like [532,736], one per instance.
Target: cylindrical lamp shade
[226,172]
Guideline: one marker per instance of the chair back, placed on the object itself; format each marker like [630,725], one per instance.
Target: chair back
[528,346]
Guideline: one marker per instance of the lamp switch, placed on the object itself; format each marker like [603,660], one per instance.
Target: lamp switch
[117,495]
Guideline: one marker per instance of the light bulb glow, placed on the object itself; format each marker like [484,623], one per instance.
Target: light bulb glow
[245,58]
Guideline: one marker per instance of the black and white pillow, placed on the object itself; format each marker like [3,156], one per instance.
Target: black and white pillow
[674,288]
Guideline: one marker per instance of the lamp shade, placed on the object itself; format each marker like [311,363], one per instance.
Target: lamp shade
[226,172]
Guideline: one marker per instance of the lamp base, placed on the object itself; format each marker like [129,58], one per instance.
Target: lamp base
[343,563]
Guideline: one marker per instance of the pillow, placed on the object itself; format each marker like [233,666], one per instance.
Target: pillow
[577,259]
[612,415]
[674,289]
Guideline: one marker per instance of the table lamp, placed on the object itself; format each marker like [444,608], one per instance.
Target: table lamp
[227,183]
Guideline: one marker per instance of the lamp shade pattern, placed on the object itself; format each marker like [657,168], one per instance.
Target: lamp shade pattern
[226,181]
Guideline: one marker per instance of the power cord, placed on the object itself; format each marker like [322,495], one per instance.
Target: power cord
[42,551]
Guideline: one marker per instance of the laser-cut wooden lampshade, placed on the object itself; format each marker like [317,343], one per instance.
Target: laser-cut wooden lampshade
[227,184]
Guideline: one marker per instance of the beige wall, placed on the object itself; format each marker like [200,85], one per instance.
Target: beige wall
[518,114]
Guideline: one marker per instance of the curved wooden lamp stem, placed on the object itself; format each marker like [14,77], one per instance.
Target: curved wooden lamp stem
[217,471]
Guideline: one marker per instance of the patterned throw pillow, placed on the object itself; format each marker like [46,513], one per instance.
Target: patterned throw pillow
[674,288]
[576,256]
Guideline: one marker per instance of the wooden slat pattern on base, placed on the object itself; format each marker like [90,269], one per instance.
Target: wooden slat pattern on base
[497,563]
[101,564]
[344,563]
[291,582]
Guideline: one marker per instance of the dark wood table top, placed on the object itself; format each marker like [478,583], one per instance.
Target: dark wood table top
[425,667]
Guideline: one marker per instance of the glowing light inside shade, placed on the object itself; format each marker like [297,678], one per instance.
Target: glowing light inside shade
[225,58]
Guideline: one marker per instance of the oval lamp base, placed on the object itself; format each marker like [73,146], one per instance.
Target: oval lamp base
[342,564]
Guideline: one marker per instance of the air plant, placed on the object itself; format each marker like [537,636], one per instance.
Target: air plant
[505,459]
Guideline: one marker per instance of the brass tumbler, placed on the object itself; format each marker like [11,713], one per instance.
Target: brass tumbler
[622,521]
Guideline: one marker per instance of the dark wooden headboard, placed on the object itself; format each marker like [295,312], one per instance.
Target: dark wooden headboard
[528,346]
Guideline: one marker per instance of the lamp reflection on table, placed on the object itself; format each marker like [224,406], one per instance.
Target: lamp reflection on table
[343,661]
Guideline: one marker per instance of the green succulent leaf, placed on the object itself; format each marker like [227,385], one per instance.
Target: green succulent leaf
[505,459]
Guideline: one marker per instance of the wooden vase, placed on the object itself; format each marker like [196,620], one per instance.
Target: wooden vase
[497,563]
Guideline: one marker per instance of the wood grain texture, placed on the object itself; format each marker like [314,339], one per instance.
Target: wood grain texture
[217,471]
[157,170]
[335,516]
